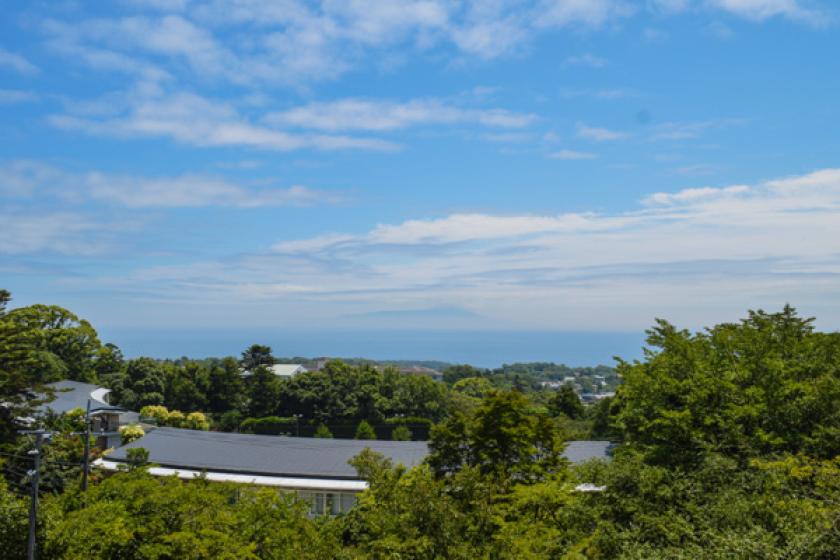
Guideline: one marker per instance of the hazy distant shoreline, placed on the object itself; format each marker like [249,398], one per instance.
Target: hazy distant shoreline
[479,348]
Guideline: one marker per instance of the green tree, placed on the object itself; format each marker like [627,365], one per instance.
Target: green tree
[503,439]
[226,389]
[21,387]
[453,374]
[66,345]
[477,387]
[602,420]
[566,401]
[255,356]
[143,385]
[263,392]
[763,385]
[187,384]
[406,514]
[365,431]
[109,363]
[14,523]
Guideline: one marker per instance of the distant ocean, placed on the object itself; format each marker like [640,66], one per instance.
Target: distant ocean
[479,348]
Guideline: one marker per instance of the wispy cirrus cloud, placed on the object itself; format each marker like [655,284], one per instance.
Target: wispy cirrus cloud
[571,155]
[689,130]
[599,134]
[805,11]
[587,59]
[760,10]
[195,120]
[65,233]
[9,96]
[382,115]
[299,42]
[17,63]
[29,178]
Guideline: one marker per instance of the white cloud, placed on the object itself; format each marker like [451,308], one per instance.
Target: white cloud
[763,9]
[507,137]
[598,134]
[492,254]
[194,191]
[58,232]
[694,195]
[71,40]
[694,255]
[571,155]
[593,13]
[669,6]
[756,10]
[600,94]
[472,227]
[689,130]
[296,42]
[9,96]
[197,121]
[587,60]
[27,178]
[16,63]
[379,115]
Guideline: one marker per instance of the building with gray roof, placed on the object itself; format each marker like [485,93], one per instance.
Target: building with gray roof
[70,395]
[318,469]
[106,418]
[281,456]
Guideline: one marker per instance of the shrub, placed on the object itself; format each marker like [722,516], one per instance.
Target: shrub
[365,431]
[175,419]
[229,421]
[268,425]
[155,412]
[323,432]
[131,433]
[401,433]
[196,421]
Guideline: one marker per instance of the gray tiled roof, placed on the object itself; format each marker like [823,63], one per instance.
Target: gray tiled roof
[265,455]
[288,456]
[580,451]
[70,395]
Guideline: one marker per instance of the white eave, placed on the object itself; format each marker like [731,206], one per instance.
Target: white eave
[99,395]
[311,484]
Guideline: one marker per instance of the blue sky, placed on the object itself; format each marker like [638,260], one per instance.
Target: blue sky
[549,165]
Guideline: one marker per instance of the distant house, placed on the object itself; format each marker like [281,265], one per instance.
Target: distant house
[317,469]
[282,370]
[421,370]
[107,418]
[551,384]
[287,370]
[595,397]
[557,384]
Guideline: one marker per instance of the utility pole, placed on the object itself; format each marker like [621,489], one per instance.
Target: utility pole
[35,475]
[86,460]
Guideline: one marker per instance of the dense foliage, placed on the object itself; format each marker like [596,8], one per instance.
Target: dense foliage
[727,448]
[768,384]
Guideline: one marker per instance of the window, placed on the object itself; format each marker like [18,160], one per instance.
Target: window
[328,503]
